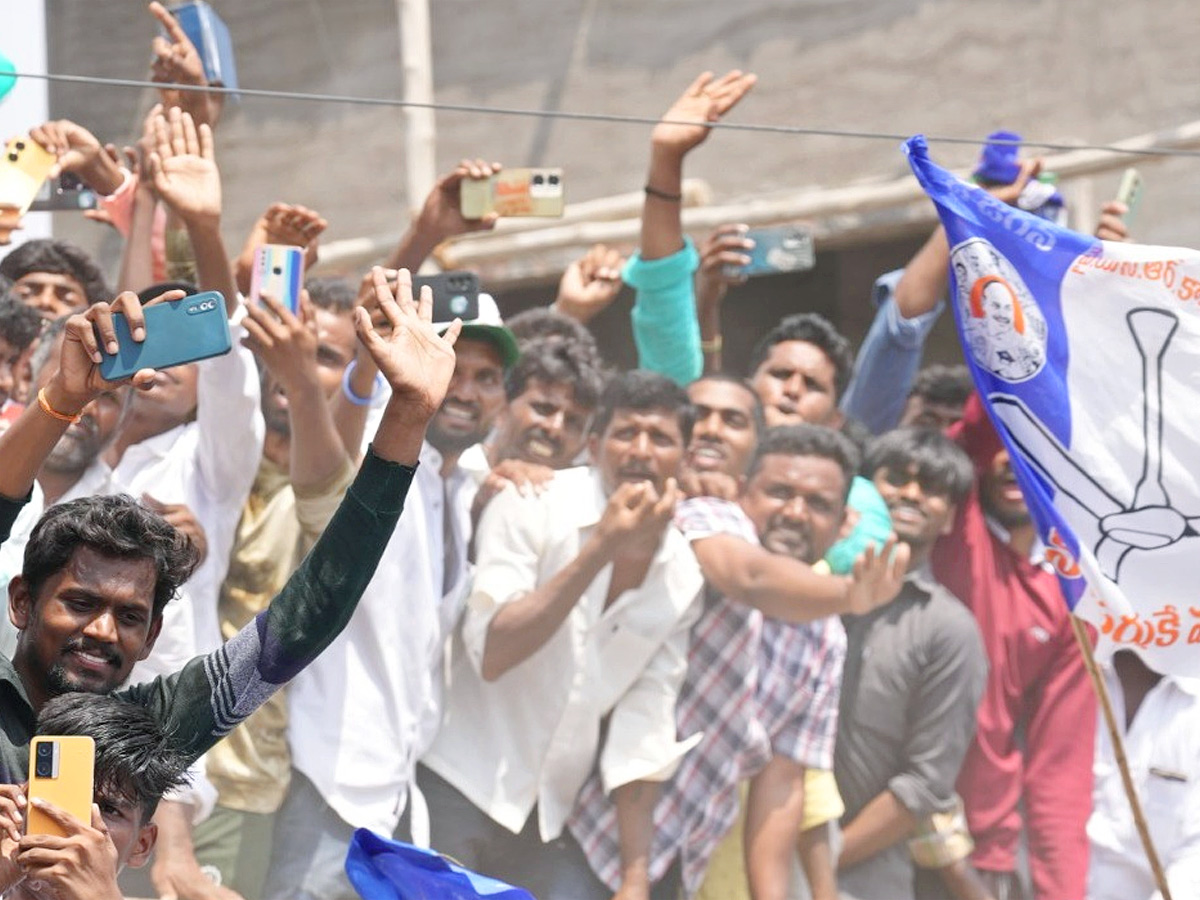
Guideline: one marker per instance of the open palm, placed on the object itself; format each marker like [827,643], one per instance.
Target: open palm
[183,167]
[416,361]
[686,124]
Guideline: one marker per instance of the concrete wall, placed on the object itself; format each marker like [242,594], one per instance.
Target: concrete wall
[1052,69]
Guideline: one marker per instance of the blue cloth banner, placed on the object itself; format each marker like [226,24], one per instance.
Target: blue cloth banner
[383,869]
[1085,353]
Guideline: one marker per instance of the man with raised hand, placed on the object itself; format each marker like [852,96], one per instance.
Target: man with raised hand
[100,570]
[356,729]
[665,328]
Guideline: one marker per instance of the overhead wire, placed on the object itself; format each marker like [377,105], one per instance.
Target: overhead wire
[617,118]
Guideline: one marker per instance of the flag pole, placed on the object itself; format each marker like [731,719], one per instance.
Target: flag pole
[1118,745]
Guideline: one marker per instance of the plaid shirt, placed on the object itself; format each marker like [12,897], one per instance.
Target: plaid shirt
[754,688]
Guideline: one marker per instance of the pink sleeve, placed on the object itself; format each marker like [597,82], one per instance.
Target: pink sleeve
[119,204]
[1058,775]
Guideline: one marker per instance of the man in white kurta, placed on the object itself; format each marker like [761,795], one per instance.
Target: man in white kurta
[580,612]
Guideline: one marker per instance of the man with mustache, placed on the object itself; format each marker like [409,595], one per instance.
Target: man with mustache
[75,467]
[359,718]
[552,392]
[99,571]
[580,611]
[765,657]
[914,675]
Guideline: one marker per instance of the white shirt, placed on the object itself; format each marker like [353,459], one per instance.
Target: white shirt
[209,465]
[531,736]
[363,712]
[1163,749]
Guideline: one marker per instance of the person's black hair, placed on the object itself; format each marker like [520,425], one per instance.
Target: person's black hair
[19,324]
[640,390]
[145,295]
[947,385]
[115,526]
[808,440]
[760,418]
[556,361]
[814,329]
[57,258]
[334,294]
[136,760]
[942,467]
[543,322]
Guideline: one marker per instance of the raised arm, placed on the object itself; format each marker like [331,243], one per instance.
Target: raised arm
[184,170]
[25,445]
[287,346]
[665,327]
[211,694]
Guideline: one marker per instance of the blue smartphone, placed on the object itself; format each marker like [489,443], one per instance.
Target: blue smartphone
[210,36]
[177,332]
[786,248]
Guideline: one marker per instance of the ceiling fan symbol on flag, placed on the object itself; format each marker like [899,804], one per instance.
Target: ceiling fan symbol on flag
[1149,522]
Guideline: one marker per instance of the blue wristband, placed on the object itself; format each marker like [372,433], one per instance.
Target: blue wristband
[349,391]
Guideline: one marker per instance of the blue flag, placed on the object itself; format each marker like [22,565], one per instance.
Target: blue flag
[383,869]
[1087,356]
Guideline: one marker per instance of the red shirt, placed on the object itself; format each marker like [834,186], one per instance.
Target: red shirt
[1037,719]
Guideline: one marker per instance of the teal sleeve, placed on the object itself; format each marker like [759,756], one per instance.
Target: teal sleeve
[874,526]
[665,328]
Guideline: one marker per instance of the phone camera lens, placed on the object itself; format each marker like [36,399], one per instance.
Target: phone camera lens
[44,750]
[20,145]
[539,179]
[277,270]
[554,180]
[12,157]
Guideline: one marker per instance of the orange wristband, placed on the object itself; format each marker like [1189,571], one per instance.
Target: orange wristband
[52,412]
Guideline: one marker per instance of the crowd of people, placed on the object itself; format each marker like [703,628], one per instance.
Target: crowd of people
[672,632]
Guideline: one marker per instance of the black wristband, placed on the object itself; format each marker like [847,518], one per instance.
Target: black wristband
[662,195]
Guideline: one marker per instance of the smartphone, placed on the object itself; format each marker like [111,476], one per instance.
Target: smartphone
[455,295]
[26,164]
[177,332]
[278,273]
[1130,192]
[66,192]
[514,192]
[61,771]
[210,36]
[784,248]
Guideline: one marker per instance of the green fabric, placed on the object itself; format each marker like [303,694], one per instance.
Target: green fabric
[874,526]
[665,328]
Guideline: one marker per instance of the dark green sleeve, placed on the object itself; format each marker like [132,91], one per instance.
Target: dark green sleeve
[209,696]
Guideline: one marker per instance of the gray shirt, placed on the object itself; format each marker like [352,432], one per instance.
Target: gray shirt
[914,675]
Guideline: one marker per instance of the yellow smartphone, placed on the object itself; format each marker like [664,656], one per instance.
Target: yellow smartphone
[25,167]
[514,192]
[61,771]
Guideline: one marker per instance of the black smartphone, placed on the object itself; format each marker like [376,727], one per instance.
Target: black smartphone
[66,192]
[455,295]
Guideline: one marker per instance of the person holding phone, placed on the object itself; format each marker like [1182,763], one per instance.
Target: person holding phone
[134,766]
[89,603]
